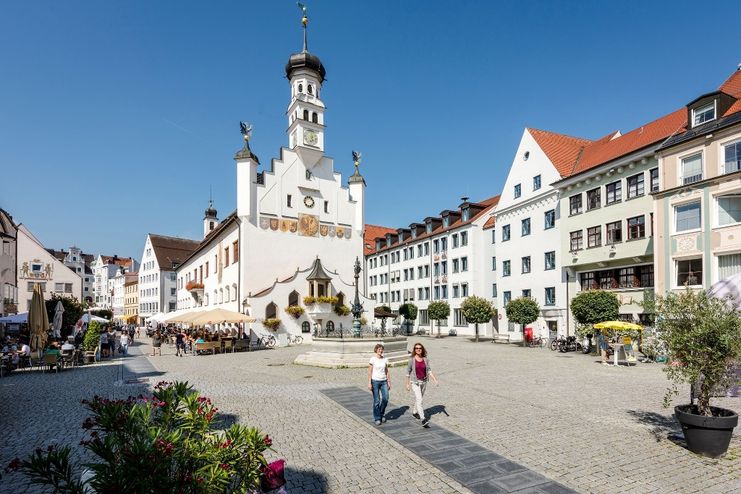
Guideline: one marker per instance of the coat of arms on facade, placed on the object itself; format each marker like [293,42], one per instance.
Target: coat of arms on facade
[340,232]
[274,223]
[308,225]
[264,223]
[323,230]
[332,231]
[293,226]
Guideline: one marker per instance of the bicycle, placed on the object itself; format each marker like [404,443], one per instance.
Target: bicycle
[295,339]
[268,341]
[538,342]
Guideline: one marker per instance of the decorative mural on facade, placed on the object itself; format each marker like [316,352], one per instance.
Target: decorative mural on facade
[307,225]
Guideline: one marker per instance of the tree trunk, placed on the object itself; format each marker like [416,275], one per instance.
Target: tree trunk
[438,328]
[477,332]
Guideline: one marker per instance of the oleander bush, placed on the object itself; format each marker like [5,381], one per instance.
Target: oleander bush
[160,443]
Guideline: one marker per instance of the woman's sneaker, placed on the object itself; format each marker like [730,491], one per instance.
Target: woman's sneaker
[378,422]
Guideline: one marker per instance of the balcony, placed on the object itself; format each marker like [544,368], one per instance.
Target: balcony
[195,288]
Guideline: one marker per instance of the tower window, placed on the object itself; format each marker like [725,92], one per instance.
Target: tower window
[210,225]
[311,89]
[306,115]
[314,117]
[300,88]
[326,206]
[288,200]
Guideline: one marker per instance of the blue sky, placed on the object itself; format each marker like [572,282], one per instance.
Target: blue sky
[117,117]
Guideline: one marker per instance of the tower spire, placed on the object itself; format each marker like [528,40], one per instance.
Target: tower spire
[305,22]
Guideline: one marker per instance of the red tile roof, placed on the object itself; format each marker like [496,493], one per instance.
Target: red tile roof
[490,222]
[562,150]
[732,85]
[371,233]
[485,205]
[172,251]
[603,151]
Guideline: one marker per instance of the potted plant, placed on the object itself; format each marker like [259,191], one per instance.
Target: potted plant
[703,338]
[341,310]
[91,341]
[272,323]
[294,310]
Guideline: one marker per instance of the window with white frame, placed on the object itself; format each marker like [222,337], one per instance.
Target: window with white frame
[458,319]
[493,236]
[729,265]
[692,169]
[464,263]
[635,186]
[732,155]
[703,114]
[464,239]
[494,290]
[518,191]
[493,263]
[456,291]
[687,217]
[729,210]
[689,272]
[464,290]
[527,293]
[506,297]
[536,182]
[455,240]
[505,233]
[594,236]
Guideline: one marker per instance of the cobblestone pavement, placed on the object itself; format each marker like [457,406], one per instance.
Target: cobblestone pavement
[586,426]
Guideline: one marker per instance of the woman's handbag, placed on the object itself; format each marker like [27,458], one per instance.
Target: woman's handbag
[273,475]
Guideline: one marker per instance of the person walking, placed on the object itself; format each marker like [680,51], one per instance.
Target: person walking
[125,340]
[180,343]
[418,374]
[379,382]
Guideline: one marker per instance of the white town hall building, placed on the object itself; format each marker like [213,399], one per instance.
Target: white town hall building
[296,232]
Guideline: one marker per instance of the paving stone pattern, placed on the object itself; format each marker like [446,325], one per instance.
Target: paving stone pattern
[477,468]
[565,417]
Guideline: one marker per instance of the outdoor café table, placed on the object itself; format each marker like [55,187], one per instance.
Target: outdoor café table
[227,342]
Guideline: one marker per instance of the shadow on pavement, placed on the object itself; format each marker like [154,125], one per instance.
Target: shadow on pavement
[396,412]
[436,410]
[304,481]
[661,426]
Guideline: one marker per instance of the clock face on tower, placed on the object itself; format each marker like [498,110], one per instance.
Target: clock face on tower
[309,202]
[310,138]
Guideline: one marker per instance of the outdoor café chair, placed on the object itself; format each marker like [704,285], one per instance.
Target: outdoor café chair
[50,361]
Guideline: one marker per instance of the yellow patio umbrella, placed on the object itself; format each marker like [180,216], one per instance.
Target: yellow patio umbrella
[618,325]
[38,320]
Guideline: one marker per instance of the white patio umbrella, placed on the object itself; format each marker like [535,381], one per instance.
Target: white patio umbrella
[221,316]
[89,317]
[178,315]
[728,288]
[57,321]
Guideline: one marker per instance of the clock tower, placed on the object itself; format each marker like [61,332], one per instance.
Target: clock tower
[305,112]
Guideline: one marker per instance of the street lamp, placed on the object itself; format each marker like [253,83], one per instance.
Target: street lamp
[357,307]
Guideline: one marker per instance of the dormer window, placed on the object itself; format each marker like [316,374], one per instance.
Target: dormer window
[414,232]
[703,114]
[465,215]
[388,241]
[429,228]
[446,221]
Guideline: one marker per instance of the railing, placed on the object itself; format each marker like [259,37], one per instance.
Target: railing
[692,179]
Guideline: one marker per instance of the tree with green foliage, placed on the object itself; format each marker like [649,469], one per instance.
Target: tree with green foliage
[477,311]
[592,306]
[438,310]
[409,311]
[703,336]
[72,311]
[523,311]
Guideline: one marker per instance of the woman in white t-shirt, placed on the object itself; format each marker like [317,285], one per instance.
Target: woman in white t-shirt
[379,382]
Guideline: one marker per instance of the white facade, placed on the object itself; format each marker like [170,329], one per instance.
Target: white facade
[118,294]
[521,260]
[75,260]
[37,265]
[443,258]
[161,256]
[288,215]
[104,269]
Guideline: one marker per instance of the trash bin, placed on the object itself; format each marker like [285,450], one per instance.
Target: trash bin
[528,334]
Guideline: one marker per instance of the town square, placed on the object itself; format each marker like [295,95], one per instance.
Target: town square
[329,247]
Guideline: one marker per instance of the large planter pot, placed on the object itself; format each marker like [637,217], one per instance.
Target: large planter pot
[707,436]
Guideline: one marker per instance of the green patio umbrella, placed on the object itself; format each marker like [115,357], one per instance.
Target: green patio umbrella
[38,320]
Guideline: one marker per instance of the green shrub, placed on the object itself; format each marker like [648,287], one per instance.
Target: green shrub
[92,337]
